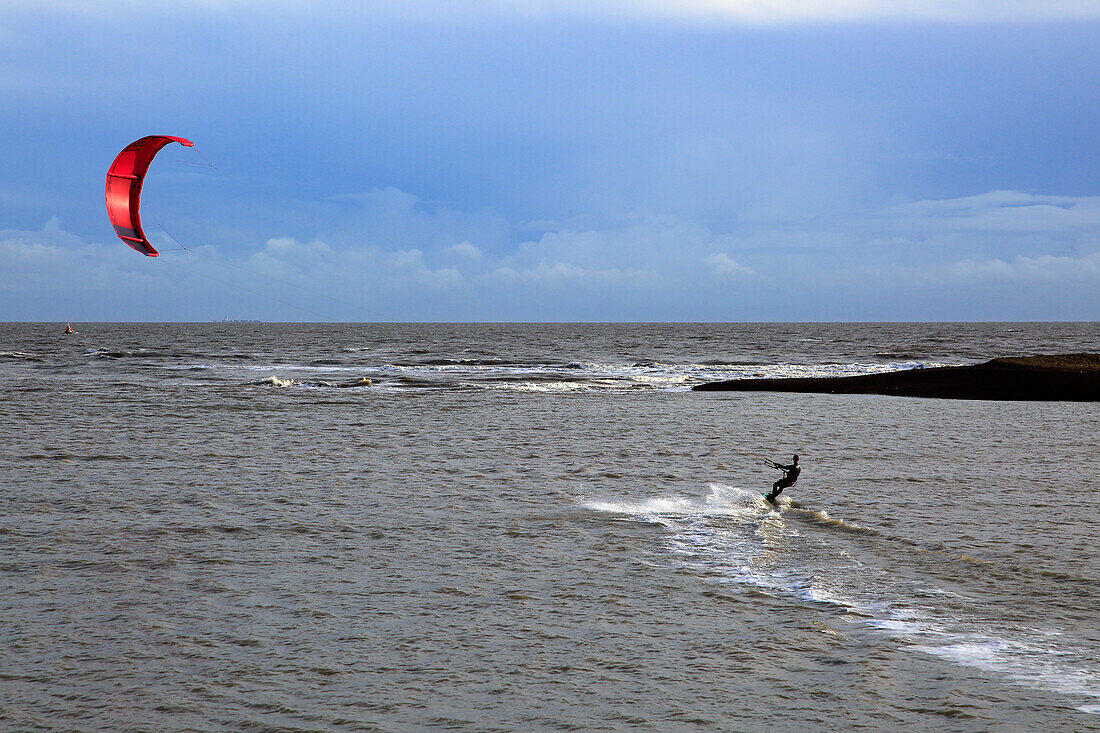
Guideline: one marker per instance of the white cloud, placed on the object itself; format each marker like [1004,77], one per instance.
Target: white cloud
[410,264]
[30,258]
[1010,212]
[563,273]
[464,249]
[1062,271]
[291,262]
[51,273]
[1004,245]
[51,233]
[19,255]
[407,259]
[388,198]
[290,245]
[785,11]
[755,12]
[722,264]
[1023,237]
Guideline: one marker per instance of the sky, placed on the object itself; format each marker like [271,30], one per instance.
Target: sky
[509,160]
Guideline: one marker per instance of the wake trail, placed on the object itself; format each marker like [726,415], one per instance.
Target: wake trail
[734,536]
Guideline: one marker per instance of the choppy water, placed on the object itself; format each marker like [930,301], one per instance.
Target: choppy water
[223,527]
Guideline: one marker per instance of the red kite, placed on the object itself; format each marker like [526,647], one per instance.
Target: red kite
[124,181]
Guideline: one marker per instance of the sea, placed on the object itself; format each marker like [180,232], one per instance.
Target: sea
[538,527]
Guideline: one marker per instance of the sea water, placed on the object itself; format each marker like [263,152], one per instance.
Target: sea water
[404,527]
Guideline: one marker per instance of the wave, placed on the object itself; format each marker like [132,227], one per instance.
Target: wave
[151,353]
[600,377]
[68,457]
[274,381]
[720,501]
[492,373]
[822,517]
[277,382]
[546,387]
[107,354]
[19,355]
[895,355]
[469,362]
[733,536]
[1034,662]
[722,363]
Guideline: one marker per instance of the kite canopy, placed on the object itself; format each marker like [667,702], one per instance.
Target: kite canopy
[124,180]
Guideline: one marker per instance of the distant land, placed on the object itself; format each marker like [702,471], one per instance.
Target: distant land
[1052,377]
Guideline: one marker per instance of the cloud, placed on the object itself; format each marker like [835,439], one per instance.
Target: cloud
[410,264]
[566,274]
[923,248]
[1058,271]
[798,11]
[1011,212]
[465,250]
[53,274]
[722,264]
[755,12]
[30,258]
[1002,249]
[290,245]
[349,269]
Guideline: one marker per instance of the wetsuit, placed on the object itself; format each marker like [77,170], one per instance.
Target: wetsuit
[791,476]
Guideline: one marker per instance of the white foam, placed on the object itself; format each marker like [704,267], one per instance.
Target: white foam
[700,536]
[276,382]
[1022,661]
[551,377]
[309,368]
[720,501]
[528,386]
[751,552]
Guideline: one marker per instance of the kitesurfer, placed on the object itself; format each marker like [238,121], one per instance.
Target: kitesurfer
[790,475]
